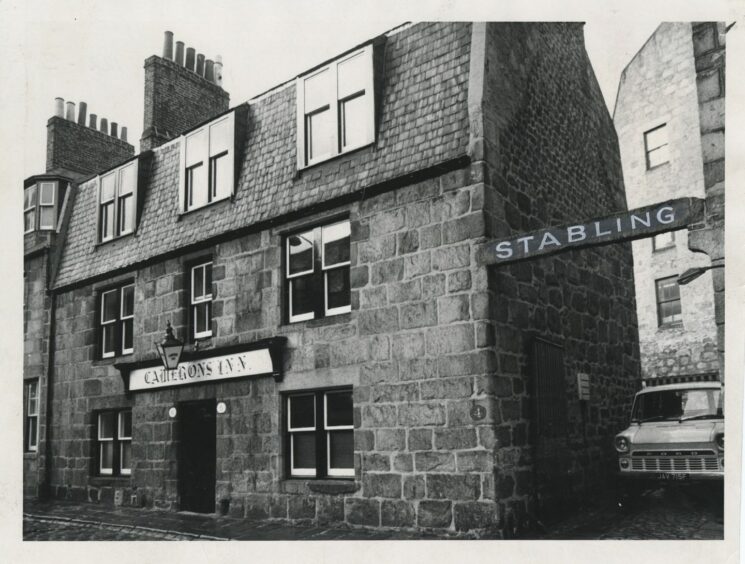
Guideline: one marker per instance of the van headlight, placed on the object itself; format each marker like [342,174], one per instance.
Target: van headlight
[720,441]
[622,444]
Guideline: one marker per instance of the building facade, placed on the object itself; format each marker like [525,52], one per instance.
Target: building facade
[670,120]
[347,359]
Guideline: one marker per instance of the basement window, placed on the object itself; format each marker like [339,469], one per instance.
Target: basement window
[336,108]
[207,163]
[117,201]
[320,434]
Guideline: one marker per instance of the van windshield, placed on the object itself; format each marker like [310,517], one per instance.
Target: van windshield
[680,405]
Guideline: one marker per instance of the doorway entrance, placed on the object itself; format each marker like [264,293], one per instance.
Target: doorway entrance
[196,456]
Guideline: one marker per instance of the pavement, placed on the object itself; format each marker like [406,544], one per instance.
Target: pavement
[63,520]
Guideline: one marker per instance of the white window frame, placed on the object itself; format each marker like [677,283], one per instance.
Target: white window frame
[299,472]
[326,269]
[107,325]
[310,314]
[101,470]
[648,151]
[32,416]
[123,318]
[345,472]
[42,204]
[124,440]
[205,298]
[31,208]
[118,197]
[334,102]
[206,162]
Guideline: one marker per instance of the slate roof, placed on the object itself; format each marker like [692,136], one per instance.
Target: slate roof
[423,122]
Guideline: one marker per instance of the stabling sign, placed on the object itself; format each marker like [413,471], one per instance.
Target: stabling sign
[249,363]
[624,226]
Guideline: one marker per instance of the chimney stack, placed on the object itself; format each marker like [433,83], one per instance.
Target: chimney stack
[104,125]
[59,107]
[209,70]
[200,65]
[168,45]
[114,129]
[92,121]
[190,58]
[82,111]
[218,70]
[123,136]
[180,53]
[70,115]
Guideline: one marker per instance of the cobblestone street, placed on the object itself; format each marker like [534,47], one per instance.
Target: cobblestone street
[676,512]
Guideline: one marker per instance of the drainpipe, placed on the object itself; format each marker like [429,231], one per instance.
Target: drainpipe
[45,488]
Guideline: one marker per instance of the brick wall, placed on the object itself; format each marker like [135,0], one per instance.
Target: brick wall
[659,86]
[72,147]
[175,100]
[551,158]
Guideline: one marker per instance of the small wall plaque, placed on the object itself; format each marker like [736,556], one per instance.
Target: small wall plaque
[172,412]
[478,412]
[221,407]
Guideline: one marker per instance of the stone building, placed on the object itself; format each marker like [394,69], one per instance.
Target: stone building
[347,359]
[669,116]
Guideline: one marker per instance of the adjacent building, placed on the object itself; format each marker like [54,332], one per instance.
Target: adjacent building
[669,116]
[347,359]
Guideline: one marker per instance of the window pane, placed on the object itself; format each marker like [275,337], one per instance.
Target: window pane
[355,122]
[28,220]
[33,405]
[126,215]
[32,431]
[338,409]
[300,252]
[336,243]
[318,92]
[208,279]
[353,74]
[46,217]
[668,290]
[196,186]
[108,187]
[220,137]
[32,390]
[656,138]
[664,240]
[303,450]
[658,156]
[197,283]
[222,177]
[337,288]
[127,334]
[106,425]
[29,197]
[109,340]
[670,312]
[302,412]
[128,301]
[46,196]
[126,456]
[110,306]
[125,424]
[127,179]
[320,135]
[107,221]
[341,449]
[202,317]
[301,294]
[196,148]
[107,456]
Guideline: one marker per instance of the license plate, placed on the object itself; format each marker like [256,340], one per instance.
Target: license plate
[672,476]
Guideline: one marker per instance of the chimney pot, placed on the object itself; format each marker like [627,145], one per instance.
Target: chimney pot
[200,64]
[209,70]
[92,122]
[104,125]
[190,58]
[123,136]
[180,53]
[70,111]
[82,111]
[59,107]
[114,129]
[218,70]
[168,45]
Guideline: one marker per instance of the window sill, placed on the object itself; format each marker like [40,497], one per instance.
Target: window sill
[110,480]
[301,170]
[659,166]
[670,326]
[321,321]
[30,454]
[185,213]
[330,486]
[114,240]
[663,249]
[112,359]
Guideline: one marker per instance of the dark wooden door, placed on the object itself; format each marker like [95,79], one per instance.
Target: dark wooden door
[196,470]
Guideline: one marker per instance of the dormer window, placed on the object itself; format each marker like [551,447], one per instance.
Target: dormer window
[41,205]
[117,201]
[335,108]
[207,163]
